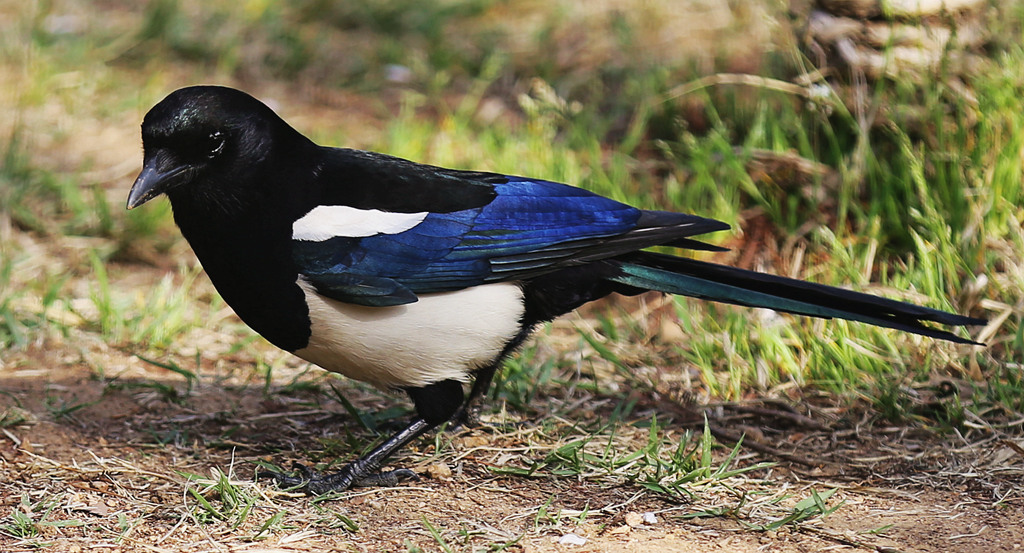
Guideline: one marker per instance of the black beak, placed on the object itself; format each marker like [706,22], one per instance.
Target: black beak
[152,182]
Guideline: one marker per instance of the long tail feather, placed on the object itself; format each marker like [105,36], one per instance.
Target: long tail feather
[721,283]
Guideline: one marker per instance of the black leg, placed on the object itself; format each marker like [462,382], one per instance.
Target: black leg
[468,414]
[362,471]
[435,403]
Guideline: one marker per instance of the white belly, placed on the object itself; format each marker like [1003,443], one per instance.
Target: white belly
[442,336]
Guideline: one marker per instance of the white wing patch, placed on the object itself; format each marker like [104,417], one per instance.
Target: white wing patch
[329,221]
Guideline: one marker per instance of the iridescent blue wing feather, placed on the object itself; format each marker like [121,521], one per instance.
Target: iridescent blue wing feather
[529,228]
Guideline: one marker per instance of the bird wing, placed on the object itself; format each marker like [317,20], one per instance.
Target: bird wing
[527,228]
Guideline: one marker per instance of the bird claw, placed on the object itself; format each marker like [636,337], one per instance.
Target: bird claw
[316,483]
[290,481]
[468,418]
[386,479]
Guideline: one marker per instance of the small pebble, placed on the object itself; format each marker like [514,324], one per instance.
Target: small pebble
[474,441]
[572,539]
[634,519]
[439,471]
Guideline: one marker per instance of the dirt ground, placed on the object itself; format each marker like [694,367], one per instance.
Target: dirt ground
[101,460]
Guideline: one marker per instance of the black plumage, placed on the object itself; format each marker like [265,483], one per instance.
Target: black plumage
[417,277]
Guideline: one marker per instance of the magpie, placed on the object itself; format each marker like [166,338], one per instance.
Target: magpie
[418,278]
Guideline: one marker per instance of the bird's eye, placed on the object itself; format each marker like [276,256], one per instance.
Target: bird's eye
[215,144]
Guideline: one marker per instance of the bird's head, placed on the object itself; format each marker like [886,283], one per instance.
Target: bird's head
[205,139]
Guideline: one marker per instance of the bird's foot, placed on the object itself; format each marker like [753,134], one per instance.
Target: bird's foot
[352,476]
[468,418]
